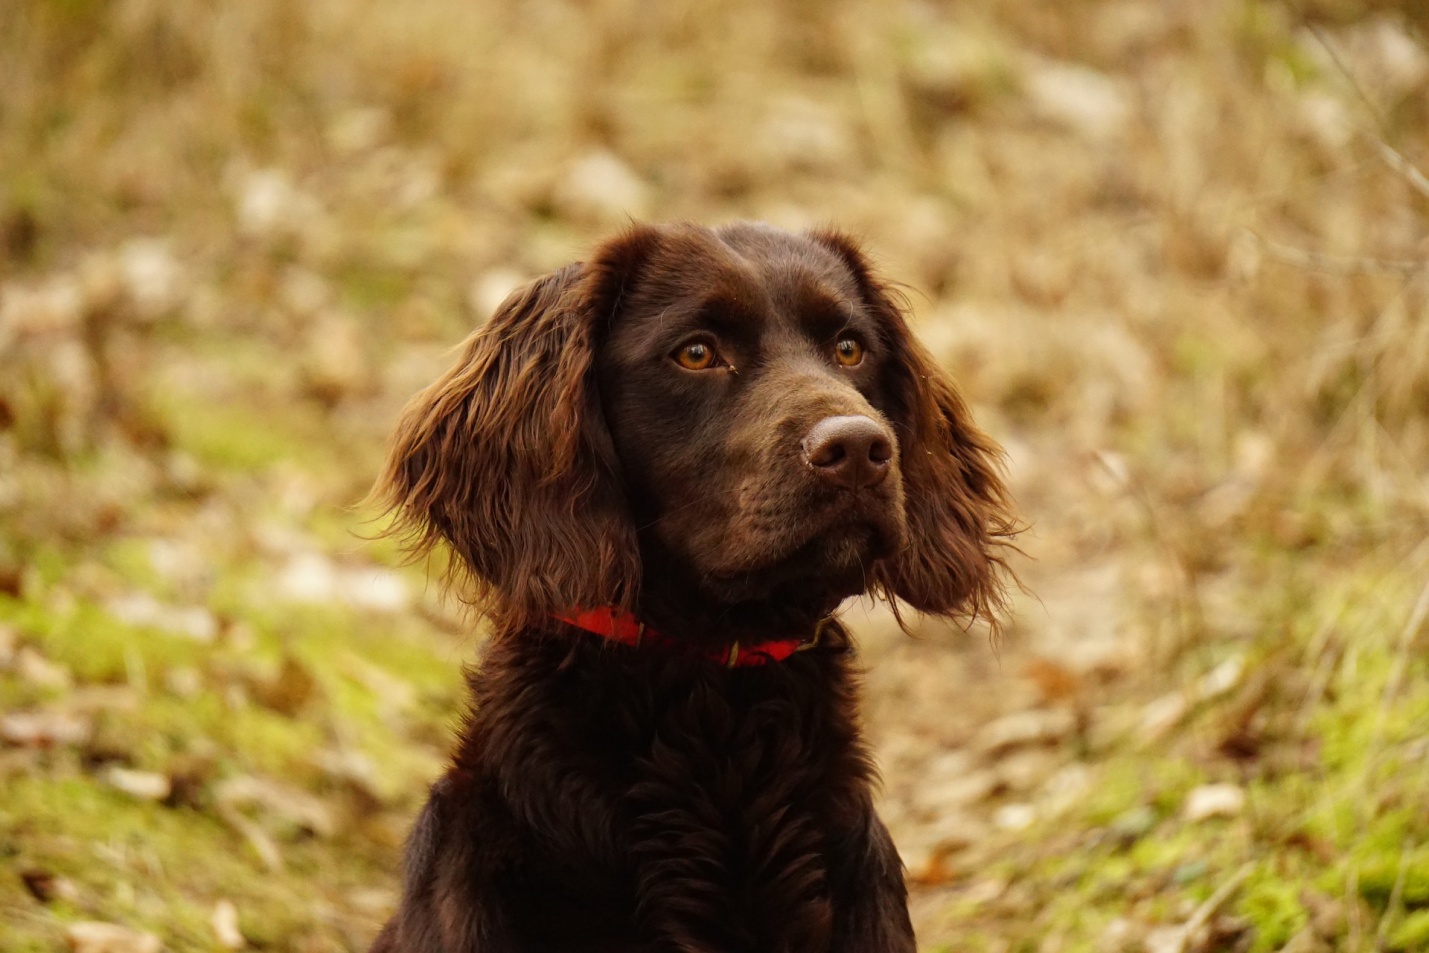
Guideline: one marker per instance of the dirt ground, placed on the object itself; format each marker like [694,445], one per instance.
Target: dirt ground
[1177,255]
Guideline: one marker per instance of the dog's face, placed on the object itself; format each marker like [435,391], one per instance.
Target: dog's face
[744,383]
[740,414]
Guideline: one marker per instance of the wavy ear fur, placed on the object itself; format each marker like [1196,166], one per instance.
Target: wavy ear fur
[506,458]
[960,517]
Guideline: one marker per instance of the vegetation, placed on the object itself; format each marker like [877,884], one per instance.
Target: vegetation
[1176,255]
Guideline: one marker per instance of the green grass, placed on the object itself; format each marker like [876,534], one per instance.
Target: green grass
[1335,805]
[382,689]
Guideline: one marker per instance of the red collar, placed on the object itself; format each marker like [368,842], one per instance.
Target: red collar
[621,626]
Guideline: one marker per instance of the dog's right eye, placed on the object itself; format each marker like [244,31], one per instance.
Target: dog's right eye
[696,356]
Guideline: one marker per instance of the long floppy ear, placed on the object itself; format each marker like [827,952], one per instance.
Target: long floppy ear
[506,458]
[960,517]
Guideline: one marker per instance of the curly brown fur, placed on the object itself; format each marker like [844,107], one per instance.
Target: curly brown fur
[609,798]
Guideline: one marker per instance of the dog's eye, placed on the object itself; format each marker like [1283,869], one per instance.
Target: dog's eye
[848,352]
[696,356]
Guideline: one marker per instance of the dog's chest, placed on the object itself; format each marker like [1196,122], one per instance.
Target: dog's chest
[726,815]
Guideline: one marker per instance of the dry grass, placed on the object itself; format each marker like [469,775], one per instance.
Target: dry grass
[1176,254]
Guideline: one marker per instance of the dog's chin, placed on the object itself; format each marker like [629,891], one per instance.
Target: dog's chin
[826,565]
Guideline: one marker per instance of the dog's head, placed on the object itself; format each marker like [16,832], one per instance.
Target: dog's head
[731,417]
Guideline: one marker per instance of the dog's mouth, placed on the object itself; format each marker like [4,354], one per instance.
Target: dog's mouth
[832,551]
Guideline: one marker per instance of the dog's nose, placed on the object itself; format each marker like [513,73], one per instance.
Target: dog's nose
[851,452]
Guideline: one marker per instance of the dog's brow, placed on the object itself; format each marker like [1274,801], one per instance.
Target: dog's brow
[823,313]
[722,312]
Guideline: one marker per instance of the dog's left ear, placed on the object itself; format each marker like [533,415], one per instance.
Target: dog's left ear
[960,517]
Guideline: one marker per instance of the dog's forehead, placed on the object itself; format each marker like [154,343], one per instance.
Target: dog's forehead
[761,270]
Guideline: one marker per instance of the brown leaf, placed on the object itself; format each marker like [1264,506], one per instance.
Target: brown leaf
[1054,681]
[288,691]
[47,887]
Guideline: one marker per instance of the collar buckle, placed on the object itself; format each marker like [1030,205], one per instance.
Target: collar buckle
[813,640]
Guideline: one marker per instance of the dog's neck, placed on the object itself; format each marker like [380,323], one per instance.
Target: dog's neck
[680,603]
[703,622]
[625,628]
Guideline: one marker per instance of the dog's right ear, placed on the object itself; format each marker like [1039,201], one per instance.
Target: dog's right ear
[506,458]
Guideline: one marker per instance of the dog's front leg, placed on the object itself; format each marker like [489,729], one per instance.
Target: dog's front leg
[870,899]
[449,902]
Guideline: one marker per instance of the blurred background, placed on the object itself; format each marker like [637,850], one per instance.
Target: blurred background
[1174,252]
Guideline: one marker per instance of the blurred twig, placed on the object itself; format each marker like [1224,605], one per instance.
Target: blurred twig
[1324,660]
[1203,914]
[1344,69]
[1391,156]
[1333,264]
[1401,652]
[1190,618]
[1404,167]
[1359,409]
[1396,893]
[885,111]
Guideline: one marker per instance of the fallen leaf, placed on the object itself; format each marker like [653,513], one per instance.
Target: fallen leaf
[38,670]
[601,185]
[145,785]
[295,806]
[1066,789]
[985,891]
[1023,728]
[225,925]
[314,578]
[152,276]
[185,681]
[1014,817]
[44,729]
[47,887]
[489,289]
[334,362]
[1054,681]
[1173,939]
[142,610]
[1213,800]
[1327,914]
[91,699]
[1162,715]
[1168,711]
[377,900]
[927,851]
[8,640]
[263,845]
[1025,769]
[1079,99]
[269,205]
[1132,825]
[1122,936]
[289,690]
[950,781]
[92,936]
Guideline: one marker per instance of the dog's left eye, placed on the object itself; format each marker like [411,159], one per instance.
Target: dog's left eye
[848,352]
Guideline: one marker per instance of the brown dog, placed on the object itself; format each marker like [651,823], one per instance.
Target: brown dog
[697,444]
